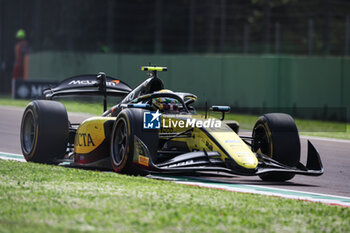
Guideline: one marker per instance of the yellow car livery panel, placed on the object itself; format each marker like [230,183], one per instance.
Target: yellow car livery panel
[91,141]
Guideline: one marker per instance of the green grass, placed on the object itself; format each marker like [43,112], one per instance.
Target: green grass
[42,198]
[306,127]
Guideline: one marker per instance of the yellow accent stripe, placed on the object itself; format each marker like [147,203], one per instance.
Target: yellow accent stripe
[153,68]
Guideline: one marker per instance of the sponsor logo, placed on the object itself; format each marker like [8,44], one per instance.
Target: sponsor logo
[180,164]
[141,154]
[22,92]
[24,89]
[167,130]
[143,160]
[112,83]
[151,120]
[233,141]
[84,139]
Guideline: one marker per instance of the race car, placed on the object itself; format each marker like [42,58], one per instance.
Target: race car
[154,130]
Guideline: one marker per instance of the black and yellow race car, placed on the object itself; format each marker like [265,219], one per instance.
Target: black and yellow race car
[154,130]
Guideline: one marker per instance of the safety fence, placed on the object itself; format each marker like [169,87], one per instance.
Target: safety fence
[243,82]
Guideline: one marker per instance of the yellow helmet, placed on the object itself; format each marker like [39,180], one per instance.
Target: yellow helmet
[165,103]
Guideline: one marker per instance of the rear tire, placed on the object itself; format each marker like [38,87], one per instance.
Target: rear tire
[276,135]
[44,131]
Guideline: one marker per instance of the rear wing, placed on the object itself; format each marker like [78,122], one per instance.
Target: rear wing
[89,84]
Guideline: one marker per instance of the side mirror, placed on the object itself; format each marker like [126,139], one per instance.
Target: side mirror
[222,109]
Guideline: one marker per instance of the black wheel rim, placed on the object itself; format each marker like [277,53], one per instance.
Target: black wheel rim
[28,135]
[261,140]
[120,141]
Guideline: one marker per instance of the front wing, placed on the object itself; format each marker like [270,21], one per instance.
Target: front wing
[199,161]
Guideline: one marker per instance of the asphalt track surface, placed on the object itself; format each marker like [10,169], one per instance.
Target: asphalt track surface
[335,156]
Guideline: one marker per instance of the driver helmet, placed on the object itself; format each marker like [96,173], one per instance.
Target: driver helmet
[165,103]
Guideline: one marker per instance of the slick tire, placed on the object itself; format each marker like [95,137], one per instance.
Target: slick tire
[44,131]
[276,135]
[128,124]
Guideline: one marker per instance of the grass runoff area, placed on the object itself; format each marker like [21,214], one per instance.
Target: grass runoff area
[306,127]
[43,198]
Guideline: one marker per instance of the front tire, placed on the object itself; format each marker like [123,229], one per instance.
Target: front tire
[130,122]
[44,131]
[121,148]
[276,135]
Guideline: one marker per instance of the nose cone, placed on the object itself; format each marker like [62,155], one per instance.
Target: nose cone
[246,159]
[235,147]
